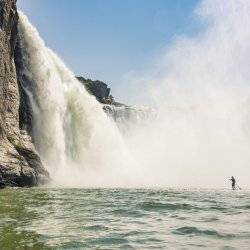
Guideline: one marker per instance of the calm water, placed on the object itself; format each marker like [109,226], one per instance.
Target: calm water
[124,219]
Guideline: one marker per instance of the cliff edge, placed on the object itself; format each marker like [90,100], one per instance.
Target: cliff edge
[20,164]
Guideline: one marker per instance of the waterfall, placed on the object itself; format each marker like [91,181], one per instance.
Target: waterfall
[77,142]
[128,118]
[200,135]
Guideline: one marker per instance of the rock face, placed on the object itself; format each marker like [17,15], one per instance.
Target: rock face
[101,91]
[125,116]
[97,88]
[20,164]
[25,109]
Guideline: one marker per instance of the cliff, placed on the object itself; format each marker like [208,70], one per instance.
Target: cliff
[97,88]
[101,91]
[20,165]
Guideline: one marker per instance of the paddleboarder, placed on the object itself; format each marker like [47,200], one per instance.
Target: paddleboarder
[233,182]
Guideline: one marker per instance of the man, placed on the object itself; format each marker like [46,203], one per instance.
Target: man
[233,182]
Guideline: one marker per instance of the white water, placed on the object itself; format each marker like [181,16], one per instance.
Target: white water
[201,135]
[78,143]
[130,118]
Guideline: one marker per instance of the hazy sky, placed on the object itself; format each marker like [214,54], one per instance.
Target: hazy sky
[107,39]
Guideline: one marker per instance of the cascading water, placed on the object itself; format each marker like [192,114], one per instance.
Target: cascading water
[78,143]
[128,118]
[200,135]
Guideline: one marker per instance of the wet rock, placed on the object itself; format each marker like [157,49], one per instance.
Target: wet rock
[20,164]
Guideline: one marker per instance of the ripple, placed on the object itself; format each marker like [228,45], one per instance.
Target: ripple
[96,228]
[123,219]
[219,208]
[211,219]
[154,206]
[127,213]
[108,241]
[195,231]
[243,207]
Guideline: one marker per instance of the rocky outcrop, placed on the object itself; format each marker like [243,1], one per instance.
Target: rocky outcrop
[125,116]
[97,88]
[101,91]
[20,164]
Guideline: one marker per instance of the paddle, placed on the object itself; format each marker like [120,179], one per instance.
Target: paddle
[236,185]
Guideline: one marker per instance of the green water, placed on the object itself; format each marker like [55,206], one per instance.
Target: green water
[124,219]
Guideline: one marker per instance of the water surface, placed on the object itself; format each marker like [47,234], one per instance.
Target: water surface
[40,218]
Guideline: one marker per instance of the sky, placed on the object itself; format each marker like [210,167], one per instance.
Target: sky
[108,39]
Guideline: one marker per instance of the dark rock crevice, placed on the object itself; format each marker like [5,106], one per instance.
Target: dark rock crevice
[25,108]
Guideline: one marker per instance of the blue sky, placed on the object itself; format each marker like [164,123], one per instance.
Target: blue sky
[106,39]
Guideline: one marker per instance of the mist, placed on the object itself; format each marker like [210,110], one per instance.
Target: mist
[200,90]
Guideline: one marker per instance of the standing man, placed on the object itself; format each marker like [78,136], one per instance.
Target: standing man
[233,182]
